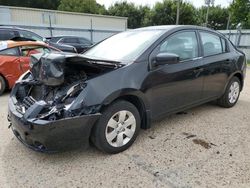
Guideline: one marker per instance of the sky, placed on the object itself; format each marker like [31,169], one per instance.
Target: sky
[196,3]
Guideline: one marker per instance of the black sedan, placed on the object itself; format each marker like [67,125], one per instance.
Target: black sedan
[81,44]
[20,34]
[121,85]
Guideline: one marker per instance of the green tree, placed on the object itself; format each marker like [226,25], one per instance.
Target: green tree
[240,13]
[145,16]
[217,19]
[85,6]
[44,4]
[101,9]
[129,10]
[164,13]
[188,14]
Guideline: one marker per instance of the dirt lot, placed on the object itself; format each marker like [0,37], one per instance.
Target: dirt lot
[206,147]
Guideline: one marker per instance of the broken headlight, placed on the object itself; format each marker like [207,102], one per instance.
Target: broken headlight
[63,99]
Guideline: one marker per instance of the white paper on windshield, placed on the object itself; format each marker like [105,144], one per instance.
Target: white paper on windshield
[3,45]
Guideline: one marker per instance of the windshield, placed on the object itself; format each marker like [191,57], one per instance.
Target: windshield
[125,46]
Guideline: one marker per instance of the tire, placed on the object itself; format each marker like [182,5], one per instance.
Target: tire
[2,85]
[112,137]
[228,100]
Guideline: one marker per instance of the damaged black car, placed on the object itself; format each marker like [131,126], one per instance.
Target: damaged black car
[121,85]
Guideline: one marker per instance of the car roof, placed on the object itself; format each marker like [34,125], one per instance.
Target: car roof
[12,44]
[168,27]
[68,36]
[172,27]
[12,28]
[158,27]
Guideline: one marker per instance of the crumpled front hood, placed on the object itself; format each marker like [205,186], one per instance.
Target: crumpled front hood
[49,69]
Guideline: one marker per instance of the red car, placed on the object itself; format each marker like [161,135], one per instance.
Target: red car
[15,58]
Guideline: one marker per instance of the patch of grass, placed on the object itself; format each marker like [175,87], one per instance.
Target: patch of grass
[248,62]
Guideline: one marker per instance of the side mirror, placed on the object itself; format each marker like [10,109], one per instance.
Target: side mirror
[166,58]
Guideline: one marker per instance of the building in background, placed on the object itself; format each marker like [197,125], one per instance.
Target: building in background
[49,23]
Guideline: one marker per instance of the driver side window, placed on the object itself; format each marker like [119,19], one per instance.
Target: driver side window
[183,44]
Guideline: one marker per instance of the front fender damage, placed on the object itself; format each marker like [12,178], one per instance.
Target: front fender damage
[53,89]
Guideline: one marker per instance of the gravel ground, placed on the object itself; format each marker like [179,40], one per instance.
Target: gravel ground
[206,147]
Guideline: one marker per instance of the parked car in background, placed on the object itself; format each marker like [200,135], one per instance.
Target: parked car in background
[121,85]
[20,34]
[15,59]
[15,33]
[80,43]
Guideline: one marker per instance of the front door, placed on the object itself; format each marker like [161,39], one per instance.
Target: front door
[174,86]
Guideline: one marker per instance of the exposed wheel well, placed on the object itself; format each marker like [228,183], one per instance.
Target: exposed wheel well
[140,107]
[6,82]
[240,77]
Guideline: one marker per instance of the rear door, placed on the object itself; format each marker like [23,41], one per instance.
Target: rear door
[217,63]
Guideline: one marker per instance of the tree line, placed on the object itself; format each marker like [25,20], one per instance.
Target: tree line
[162,13]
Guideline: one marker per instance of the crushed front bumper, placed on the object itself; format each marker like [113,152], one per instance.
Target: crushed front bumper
[51,136]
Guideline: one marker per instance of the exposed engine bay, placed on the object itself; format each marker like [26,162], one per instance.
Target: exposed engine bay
[54,82]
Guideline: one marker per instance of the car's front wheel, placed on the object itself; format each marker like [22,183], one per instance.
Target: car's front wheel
[232,93]
[117,128]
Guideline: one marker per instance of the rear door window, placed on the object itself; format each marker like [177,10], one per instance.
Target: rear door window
[224,45]
[211,44]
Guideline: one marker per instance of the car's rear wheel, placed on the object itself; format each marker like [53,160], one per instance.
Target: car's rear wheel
[232,93]
[117,128]
[2,85]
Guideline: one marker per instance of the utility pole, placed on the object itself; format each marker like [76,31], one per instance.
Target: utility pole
[228,21]
[208,3]
[178,12]
[50,26]
[229,17]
